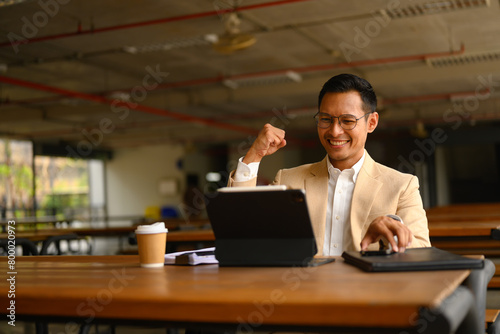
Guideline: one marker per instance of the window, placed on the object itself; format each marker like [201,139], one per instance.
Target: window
[16,178]
[51,186]
[62,187]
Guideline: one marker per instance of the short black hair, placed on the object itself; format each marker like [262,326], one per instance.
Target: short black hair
[344,83]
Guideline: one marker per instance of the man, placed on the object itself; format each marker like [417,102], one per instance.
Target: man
[353,201]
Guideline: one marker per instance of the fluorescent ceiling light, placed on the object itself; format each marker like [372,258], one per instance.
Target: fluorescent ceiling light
[288,76]
[120,96]
[464,59]
[173,44]
[5,3]
[434,7]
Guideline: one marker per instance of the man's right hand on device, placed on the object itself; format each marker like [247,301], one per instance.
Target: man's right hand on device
[269,140]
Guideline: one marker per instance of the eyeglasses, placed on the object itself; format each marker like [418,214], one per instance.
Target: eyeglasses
[346,121]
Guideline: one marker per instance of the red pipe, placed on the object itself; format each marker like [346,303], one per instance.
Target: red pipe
[383,102]
[193,119]
[206,81]
[147,109]
[304,110]
[80,32]
[359,63]
[303,142]
[305,69]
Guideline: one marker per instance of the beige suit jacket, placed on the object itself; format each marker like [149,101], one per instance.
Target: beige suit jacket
[379,191]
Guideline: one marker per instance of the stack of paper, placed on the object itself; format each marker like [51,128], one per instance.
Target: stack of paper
[192,258]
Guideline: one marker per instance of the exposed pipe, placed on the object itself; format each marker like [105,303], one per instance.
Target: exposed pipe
[81,32]
[116,103]
[307,69]
[222,125]
[383,103]
[297,111]
[304,69]
[359,63]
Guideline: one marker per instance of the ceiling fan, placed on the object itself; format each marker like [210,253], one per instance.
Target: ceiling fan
[233,39]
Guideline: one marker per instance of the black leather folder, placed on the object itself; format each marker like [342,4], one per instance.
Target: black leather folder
[413,259]
[262,226]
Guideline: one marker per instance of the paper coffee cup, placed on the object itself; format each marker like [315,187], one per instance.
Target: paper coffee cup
[151,241]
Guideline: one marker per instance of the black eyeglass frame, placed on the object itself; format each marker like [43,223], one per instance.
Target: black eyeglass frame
[338,119]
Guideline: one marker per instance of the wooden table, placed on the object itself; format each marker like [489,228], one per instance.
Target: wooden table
[332,296]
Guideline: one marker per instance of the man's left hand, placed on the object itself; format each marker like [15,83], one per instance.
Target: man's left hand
[388,228]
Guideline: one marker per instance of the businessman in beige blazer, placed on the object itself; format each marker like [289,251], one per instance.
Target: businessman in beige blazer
[353,200]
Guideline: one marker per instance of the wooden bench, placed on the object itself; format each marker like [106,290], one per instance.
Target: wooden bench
[468,229]
[465,212]
[490,320]
[495,280]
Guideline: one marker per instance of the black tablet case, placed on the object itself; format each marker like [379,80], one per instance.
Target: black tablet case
[413,259]
[262,228]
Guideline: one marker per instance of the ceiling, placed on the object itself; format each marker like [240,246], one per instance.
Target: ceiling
[122,73]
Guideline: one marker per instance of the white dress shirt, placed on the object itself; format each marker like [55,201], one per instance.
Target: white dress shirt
[338,211]
[246,172]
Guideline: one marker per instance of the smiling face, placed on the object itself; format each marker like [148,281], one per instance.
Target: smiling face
[345,147]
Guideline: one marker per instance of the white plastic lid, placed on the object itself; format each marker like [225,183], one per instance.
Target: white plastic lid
[152,228]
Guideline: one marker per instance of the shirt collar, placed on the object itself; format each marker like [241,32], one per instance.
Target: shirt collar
[354,170]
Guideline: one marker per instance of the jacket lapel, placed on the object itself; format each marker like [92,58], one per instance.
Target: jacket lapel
[365,192]
[316,186]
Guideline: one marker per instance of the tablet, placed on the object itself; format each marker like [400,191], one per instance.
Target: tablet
[262,226]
